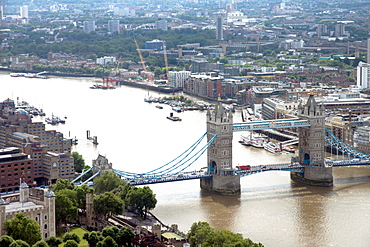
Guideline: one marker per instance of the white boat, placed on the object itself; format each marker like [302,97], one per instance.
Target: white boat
[254,139]
[245,140]
[272,147]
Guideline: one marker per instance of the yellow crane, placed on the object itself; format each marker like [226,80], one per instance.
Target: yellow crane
[165,59]
[141,57]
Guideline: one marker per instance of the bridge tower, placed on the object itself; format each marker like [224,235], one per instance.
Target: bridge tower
[219,154]
[311,147]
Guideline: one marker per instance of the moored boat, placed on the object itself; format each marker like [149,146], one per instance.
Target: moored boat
[272,147]
[288,149]
[245,140]
[173,118]
[254,139]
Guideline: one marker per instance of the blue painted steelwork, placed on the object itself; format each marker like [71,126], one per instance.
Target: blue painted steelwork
[168,171]
[74,180]
[343,147]
[271,124]
[90,178]
[174,170]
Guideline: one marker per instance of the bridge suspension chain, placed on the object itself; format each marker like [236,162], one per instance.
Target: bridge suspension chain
[179,166]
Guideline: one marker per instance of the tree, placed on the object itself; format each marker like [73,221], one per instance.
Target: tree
[23,228]
[71,243]
[202,234]
[107,182]
[53,241]
[19,243]
[6,240]
[71,236]
[107,242]
[81,192]
[93,238]
[79,162]
[125,236]
[110,231]
[41,243]
[141,200]
[62,184]
[107,204]
[66,210]
[122,190]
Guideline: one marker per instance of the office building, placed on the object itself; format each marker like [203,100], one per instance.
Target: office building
[49,152]
[368,51]
[161,24]
[24,12]
[219,28]
[363,75]
[113,26]
[178,78]
[89,26]
[155,44]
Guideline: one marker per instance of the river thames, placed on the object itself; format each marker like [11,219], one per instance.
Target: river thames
[135,136]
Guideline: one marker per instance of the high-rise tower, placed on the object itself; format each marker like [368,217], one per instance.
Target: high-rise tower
[219,27]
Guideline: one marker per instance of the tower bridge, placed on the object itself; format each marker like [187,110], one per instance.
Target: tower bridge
[219,176]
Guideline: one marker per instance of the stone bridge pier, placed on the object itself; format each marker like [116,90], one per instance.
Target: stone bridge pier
[311,147]
[219,153]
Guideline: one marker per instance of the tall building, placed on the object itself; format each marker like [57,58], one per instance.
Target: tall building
[178,78]
[1,13]
[368,51]
[49,152]
[113,26]
[161,24]
[24,11]
[89,26]
[363,75]
[321,29]
[219,28]
[339,30]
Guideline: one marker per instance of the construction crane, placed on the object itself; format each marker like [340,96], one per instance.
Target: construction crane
[165,59]
[141,58]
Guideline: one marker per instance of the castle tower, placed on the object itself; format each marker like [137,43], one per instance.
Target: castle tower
[219,154]
[2,216]
[23,192]
[48,220]
[312,146]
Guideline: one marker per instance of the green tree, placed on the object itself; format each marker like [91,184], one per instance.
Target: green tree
[41,243]
[202,234]
[62,184]
[107,182]
[23,228]
[122,190]
[93,238]
[81,192]
[125,236]
[19,243]
[141,200]
[110,231]
[71,236]
[66,210]
[6,240]
[71,243]
[53,241]
[107,204]
[107,242]
[79,162]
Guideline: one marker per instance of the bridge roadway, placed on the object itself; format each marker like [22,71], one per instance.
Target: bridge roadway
[141,179]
